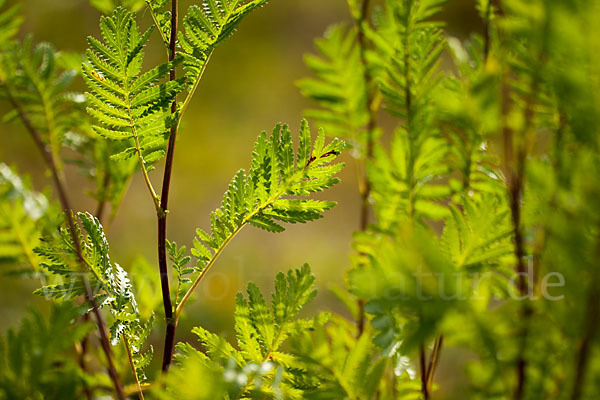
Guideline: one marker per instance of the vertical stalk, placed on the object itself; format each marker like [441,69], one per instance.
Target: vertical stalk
[81,349]
[60,184]
[583,352]
[591,321]
[83,345]
[162,215]
[486,30]
[132,366]
[423,367]
[435,358]
[365,187]
[514,160]
[102,202]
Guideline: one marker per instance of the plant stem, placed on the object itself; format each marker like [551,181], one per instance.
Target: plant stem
[188,294]
[132,366]
[102,202]
[423,367]
[147,181]
[81,349]
[583,353]
[162,35]
[162,216]
[189,96]
[515,172]
[435,358]
[486,30]
[365,186]
[299,174]
[60,184]
[83,345]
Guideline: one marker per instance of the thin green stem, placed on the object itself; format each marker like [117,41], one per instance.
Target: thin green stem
[138,149]
[162,35]
[188,294]
[190,94]
[244,222]
[103,197]
[434,360]
[132,366]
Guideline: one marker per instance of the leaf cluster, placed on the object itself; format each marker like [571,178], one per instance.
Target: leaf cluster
[129,106]
[35,357]
[205,27]
[338,87]
[109,282]
[258,362]
[274,189]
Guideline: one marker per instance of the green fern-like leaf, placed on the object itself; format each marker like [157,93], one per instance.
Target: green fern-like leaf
[108,6]
[261,329]
[162,19]
[206,26]
[332,363]
[261,197]
[468,105]
[35,358]
[109,282]
[127,104]
[10,22]
[179,262]
[24,214]
[35,86]
[480,234]
[338,87]
[408,183]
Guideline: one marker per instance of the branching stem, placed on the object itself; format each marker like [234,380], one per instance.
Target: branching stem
[584,350]
[60,184]
[163,208]
[423,367]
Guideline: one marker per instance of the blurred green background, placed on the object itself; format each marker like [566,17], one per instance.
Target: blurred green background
[248,87]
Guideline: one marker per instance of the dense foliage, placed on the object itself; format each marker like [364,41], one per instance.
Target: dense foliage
[479,228]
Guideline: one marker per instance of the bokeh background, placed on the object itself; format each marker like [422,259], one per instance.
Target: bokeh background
[248,87]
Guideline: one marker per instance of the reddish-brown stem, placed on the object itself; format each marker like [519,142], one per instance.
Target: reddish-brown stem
[162,215]
[514,162]
[83,346]
[60,185]
[423,367]
[81,359]
[434,360]
[583,352]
